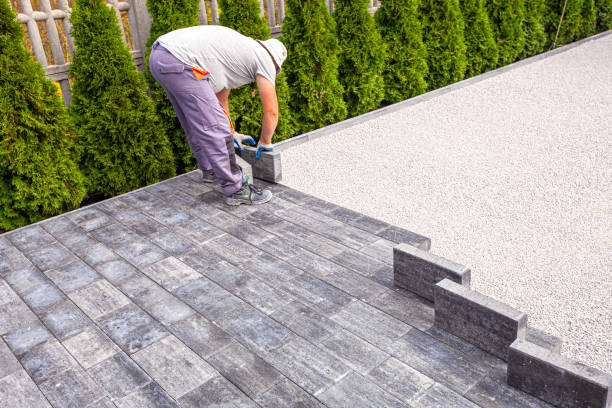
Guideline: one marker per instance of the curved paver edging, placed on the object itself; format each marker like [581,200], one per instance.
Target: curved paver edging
[307,137]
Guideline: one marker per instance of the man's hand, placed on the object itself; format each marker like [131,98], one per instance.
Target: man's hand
[266,147]
[239,139]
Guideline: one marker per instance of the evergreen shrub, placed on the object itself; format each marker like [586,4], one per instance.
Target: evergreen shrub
[482,53]
[443,35]
[406,64]
[571,27]
[588,23]
[245,105]
[507,17]
[315,94]
[124,146]
[533,27]
[38,173]
[166,16]
[361,56]
[604,15]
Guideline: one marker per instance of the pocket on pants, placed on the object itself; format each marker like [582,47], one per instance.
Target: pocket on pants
[234,167]
[209,111]
[170,68]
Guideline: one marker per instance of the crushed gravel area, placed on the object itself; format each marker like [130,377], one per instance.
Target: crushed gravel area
[511,176]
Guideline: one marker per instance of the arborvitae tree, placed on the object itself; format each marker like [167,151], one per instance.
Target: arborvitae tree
[166,16]
[535,37]
[316,95]
[245,105]
[604,15]
[124,146]
[482,53]
[362,56]
[571,26]
[38,173]
[588,22]
[406,65]
[443,35]
[507,18]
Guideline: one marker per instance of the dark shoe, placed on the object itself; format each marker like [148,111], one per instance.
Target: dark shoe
[249,194]
[209,178]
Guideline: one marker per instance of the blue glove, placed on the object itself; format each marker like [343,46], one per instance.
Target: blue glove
[239,139]
[264,147]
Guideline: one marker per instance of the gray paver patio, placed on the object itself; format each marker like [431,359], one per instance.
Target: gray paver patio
[166,297]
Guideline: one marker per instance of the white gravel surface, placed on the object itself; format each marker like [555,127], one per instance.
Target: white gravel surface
[511,176]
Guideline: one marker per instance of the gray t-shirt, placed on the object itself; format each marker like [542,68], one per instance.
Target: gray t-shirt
[231,58]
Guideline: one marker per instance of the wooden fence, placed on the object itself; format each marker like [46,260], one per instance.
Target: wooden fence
[47,29]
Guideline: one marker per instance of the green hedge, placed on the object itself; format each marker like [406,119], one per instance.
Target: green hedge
[38,174]
[124,146]
[482,52]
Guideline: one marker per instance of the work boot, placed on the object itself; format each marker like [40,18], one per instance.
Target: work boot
[249,194]
[209,177]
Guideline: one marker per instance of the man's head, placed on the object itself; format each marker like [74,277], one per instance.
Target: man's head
[277,50]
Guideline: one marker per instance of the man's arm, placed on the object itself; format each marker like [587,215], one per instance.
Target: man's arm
[269,103]
[223,96]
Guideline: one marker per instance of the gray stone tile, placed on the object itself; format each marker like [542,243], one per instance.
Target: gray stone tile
[51,256]
[13,315]
[141,289]
[438,361]
[406,307]
[249,233]
[90,347]
[355,284]
[287,394]
[497,394]
[247,287]
[166,214]
[66,320]
[118,375]
[400,380]
[306,322]
[401,235]
[18,390]
[171,273]
[4,243]
[115,236]
[197,230]
[131,328]
[73,276]
[90,218]
[47,361]
[98,299]
[357,391]
[254,329]
[294,196]
[201,335]
[308,366]
[77,240]
[30,238]
[97,254]
[27,336]
[438,396]
[381,250]
[221,247]
[175,367]
[140,252]
[171,242]
[7,294]
[384,276]
[217,392]
[169,310]
[163,189]
[218,218]
[314,264]
[282,248]
[140,222]
[208,298]
[73,388]
[245,369]
[114,206]
[371,324]
[116,271]
[141,199]
[269,269]
[319,295]
[102,403]
[151,395]
[43,297]
[199,258]
[358,262]
[26,279]
[12,259]
[370,224]
[358,354]
[8,362]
